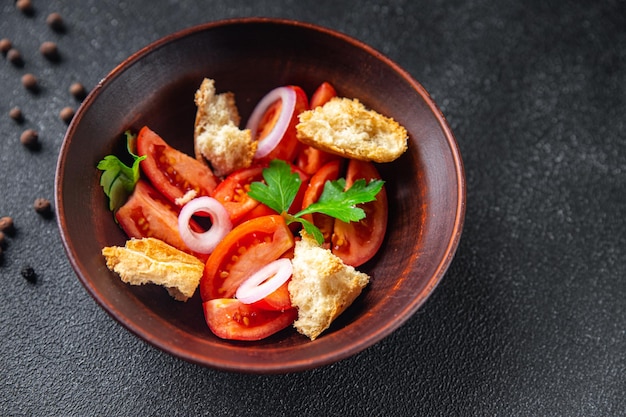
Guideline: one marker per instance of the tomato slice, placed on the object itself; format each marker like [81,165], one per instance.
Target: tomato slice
[279,300]
[248,247]
[233,192]
[170,171]
[311,159]
[288,147]
[357,242]
[148,214]
[325,223]
[229,318]
[322,94]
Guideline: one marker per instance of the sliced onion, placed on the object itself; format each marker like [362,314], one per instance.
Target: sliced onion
[270,141]
[207,241]
[265,281]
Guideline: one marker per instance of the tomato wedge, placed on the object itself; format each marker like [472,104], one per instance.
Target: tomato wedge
[248,247]
[328,172]
[322,94]
[229,318]
[170,171]
[357,242]
[233,192]
[148,214]
[279,300]
[288,147]
[311,159]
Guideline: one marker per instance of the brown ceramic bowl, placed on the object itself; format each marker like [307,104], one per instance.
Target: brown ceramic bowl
[155,87]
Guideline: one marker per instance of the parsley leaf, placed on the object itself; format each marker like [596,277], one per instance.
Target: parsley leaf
[281,187]
[118,180]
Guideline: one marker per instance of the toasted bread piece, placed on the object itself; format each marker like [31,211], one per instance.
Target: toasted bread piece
[217,137]
[152,261]
[346,127]
[321,287]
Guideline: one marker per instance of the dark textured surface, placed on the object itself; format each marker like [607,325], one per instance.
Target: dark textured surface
[531,316]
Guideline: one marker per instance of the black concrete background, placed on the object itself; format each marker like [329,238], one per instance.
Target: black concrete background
[530,319]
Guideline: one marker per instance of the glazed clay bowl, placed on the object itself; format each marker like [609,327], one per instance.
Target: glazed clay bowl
[156,86]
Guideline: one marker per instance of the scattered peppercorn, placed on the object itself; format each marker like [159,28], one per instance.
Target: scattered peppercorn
[29,274]
[7,226]
[16,114]
[50,51]
[43,207]
[78,91]
[30,139]
[5,45]
[66,114]
[55,21]
[30,82]
[15,57]
[25,6]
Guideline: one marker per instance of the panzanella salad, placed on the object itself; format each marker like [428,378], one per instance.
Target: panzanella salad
[268,220]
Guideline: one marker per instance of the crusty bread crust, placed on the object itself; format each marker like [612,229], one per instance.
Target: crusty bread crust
[152,261]
[321,287]
[346,127]
[217,137]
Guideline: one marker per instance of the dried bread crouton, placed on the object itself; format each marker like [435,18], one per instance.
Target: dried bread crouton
[217,137]
[152,261]
[346,127]
[321,287]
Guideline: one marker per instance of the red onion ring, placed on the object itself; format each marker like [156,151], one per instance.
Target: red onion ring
[207,241]
[265,281]
[268,143]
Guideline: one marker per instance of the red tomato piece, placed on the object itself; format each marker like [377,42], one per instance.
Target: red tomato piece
[229,318]
[322,94]
[289,145]
[170,171]
[279,300]
[357,242]
[311,159]
[247,248]
[148,214]
[328,172]
[233,192]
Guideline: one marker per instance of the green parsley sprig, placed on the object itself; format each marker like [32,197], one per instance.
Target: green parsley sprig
[281,186]
[118,180]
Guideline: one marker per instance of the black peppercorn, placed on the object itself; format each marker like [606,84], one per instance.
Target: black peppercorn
[29,274]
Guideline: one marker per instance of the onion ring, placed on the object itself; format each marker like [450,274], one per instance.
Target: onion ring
[207,241]
[265,281]
[272,139]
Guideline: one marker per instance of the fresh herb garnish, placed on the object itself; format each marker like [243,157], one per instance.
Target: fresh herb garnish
[118,180]
[281,186]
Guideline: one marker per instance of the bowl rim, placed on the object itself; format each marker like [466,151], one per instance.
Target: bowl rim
[298,364]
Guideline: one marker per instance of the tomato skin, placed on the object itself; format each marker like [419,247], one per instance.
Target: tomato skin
[325,223]
[148,214]
[289,146]
[357,242]
[229,318]
[279,300]
[311,159]
[170,171]
[322,94]
[233,192]
[248,247]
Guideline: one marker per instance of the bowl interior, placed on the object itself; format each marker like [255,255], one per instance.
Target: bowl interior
[249,57]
